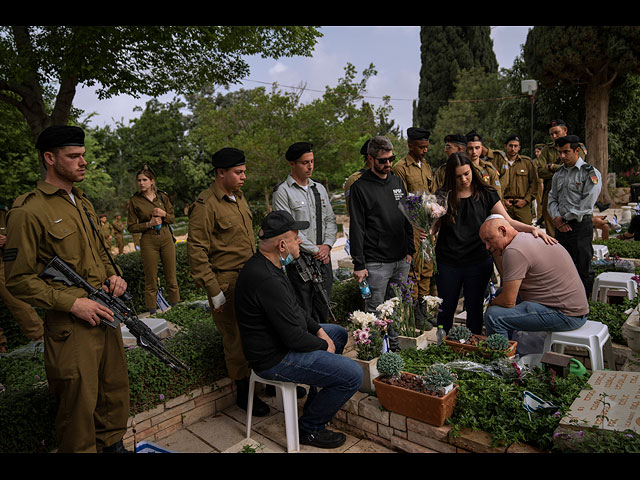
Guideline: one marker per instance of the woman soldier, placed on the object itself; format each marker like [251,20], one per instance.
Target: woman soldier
[151,214]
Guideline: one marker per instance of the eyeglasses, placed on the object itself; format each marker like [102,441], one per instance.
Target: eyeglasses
[382,161]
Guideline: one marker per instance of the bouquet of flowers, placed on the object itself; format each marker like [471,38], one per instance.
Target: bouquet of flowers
[370,335]
[423,210]
[400,309]
[432,307]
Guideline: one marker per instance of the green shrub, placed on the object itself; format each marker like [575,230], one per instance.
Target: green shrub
[493,403]
[621,248]
[27,408]
[345,299]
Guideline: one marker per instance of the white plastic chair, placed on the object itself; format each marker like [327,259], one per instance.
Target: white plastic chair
[287,399]
[600,251]
[594,336]
[614,281]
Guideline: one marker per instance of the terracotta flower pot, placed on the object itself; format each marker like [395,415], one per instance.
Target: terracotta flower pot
[474,342]
[410,403]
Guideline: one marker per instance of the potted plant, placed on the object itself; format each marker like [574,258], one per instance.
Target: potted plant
[401,309]
[408,394]
[462,340]
[369,338]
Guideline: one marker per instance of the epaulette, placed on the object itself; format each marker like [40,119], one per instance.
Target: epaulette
[202,198]
[276,187]
[22,199]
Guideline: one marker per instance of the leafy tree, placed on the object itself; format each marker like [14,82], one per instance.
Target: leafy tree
[469,109]
[598,57]
[444,52]
[129,59]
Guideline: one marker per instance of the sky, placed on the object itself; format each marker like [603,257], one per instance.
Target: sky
[393,50]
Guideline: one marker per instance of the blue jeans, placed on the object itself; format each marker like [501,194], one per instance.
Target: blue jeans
[472,280]
[529,317]
[338,378]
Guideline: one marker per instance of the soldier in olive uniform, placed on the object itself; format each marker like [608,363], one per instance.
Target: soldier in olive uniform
[356,175]
[519,181]
[118,230]
[219,243]
[453,143]
[84,360]
[107,230]
[308,200]
[28,320]
[151,214]
[487,171]
[416,173]
[574,191]
[548,163]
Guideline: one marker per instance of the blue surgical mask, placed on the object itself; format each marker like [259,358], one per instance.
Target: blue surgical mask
[288,260]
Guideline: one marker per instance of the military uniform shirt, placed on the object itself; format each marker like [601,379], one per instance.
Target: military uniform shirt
[417,177]
[520,179]
[220,236]
[301,203]
[45,223]
[574,191]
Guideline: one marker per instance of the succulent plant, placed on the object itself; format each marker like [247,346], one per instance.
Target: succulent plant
[390,364]
[458,333]
[496,341]
[437,377]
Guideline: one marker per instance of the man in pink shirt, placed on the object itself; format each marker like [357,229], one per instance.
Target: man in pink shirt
[541,289]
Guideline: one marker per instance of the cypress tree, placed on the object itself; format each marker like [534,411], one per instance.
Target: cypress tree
[444,51]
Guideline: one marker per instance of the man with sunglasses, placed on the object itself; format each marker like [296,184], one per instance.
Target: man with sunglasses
[381,237]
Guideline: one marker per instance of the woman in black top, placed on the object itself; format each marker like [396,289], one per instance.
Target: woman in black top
[463,261]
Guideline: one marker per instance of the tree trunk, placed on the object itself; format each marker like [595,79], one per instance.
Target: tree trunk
[596,127]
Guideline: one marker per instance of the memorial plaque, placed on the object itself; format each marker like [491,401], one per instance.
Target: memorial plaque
[623,396]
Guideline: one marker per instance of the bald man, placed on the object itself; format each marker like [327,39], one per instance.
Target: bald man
[543,276]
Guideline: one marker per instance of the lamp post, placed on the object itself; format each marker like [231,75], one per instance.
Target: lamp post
[530,87]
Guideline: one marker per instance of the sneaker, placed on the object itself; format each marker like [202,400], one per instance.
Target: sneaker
[323,439]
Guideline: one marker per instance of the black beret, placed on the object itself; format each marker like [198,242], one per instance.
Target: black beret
[279,222]
[363,149]
[556,123]
[416,133]
[60,136]
[567,139]
[298,149]
[456,138]
[228,157]
[473,136]
[512,138]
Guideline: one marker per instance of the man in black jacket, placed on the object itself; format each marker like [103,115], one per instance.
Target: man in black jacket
[282,342]
[381,237]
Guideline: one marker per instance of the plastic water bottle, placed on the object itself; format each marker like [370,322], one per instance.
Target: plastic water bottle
[365,290]
[440,334]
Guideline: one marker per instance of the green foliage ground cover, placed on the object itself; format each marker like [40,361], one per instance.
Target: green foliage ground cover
[27,408]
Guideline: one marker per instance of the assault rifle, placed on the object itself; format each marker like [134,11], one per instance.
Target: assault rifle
[58,270]
[309,270]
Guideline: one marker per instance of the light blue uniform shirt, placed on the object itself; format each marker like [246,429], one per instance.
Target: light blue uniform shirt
[574,191]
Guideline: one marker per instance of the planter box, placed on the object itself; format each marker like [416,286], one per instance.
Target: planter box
[421,341]
[370,372]
[474,341]
[427,408]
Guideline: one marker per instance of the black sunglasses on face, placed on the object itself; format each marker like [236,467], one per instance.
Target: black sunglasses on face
[382,161]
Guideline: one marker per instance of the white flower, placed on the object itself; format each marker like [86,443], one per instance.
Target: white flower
[432,302]
[362,319]
[387,308]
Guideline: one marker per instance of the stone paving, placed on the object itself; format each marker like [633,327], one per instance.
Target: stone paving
[225,432]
